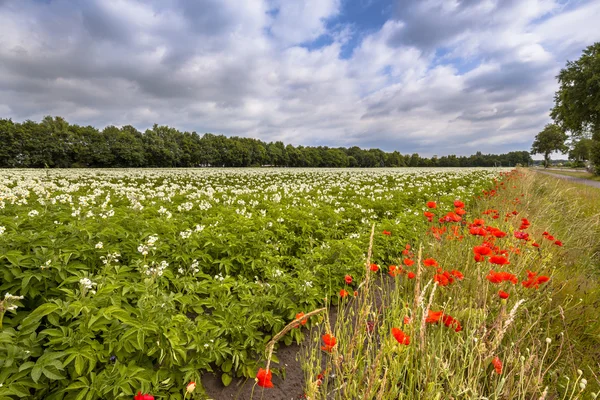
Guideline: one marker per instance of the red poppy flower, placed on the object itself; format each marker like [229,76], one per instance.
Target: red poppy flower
[343,293]
[482,250]
[433,316]
[400,336]
[534,281]
[348,279]
[431,204]
[408,262]
[477,231]
[521,235]
[429,215]
[407,247]
[535,244]
[406,320]
[459,211]
[499,277]
[411,275]
[394,270]
[497,365]
[320,378]
[263,378]
[140,396]
[459,204]
[457,274]
[451,217]
[388,233]
[558,243]
[451,322]
[545,233]
[502,294]
[330,342]
[300,315]
[498,233]
[374,267]
[499,260]
[430,262]
[441,279]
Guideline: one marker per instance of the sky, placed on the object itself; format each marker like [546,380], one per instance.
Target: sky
[428,76]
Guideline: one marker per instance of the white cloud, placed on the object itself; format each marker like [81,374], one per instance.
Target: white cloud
[482,81]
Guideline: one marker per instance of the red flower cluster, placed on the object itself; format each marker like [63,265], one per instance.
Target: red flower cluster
[302,321]
[502,276]
[140,396]
[524,224]
[429,216]
[450,217]
[348,279]
[445,278]
[263,378]
[522,235]
[435,316]
[481,252]
[395,270]
[503,295]
[431,204]
[387,233]
[499,260]
[374,267]
[534,281]
[430,262]
[400,336]
[330,341]
[497,365]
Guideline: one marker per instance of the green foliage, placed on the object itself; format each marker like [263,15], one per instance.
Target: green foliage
[55,143]
[577,101]
[142,280]
[549,140]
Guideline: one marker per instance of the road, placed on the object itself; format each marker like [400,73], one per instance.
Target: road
[573,179]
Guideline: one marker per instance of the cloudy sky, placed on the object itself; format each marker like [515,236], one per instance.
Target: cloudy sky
[427,76]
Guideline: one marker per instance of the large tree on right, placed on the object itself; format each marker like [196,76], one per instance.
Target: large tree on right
[577,101]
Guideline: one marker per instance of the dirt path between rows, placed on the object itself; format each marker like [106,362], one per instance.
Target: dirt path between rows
[588,182]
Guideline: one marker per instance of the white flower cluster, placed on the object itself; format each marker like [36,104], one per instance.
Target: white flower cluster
[99,245]
[33,213]
[187,206]
[186,234]
[165,212]
[2,230]
[156,270]
[219,277]
[87,284]
[149,245]
[110,258]
[9,299]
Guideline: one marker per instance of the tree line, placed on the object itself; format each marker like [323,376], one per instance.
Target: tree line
[54,143]
[576,113]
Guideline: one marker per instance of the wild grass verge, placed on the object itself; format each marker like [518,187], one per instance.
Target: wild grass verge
[521,324]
